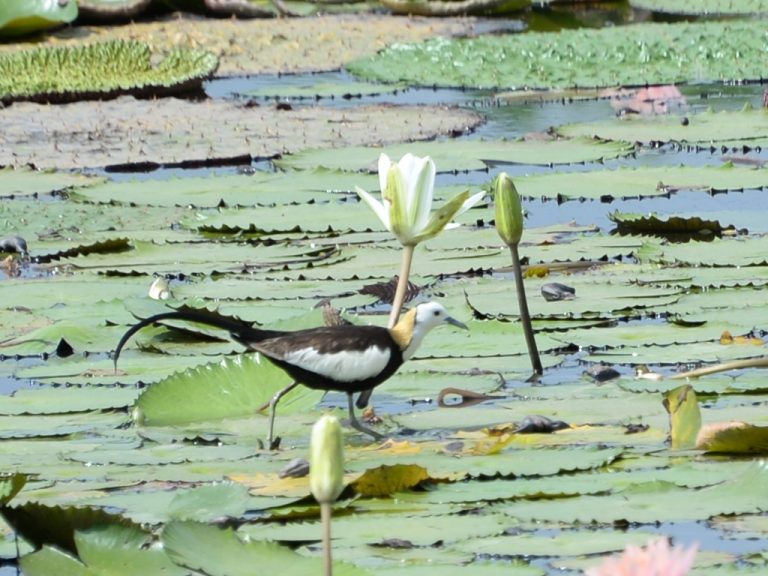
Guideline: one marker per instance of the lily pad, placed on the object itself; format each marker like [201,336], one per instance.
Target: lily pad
[639,182]
[702,7]
[102,70]
[20,17]
[708,128]
[203,133]
[463,155]
[658,54]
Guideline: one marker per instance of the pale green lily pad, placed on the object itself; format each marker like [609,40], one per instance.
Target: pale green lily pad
[57,424]
[27,182]
[707,128]
[594,298]
[639,182]
[702,7]
[739,251]
[654,502]
[150,133]
[236,387]
[63,400]
[564,543]
[195,258]
[100,70]
[188,544]
[20,17]
[464,155]
[317,187]
[661,53]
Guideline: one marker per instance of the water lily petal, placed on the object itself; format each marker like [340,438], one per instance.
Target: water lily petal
[420,201]
[384,164]
[398,209]
[442,217]
[470,202]
[379,208]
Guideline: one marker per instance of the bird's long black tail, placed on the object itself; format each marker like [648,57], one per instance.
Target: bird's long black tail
[239,330]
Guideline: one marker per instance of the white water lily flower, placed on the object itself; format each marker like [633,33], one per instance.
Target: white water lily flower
[407,189]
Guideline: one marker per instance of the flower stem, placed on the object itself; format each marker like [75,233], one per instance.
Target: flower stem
[325,517]
[525,316]
[402,285]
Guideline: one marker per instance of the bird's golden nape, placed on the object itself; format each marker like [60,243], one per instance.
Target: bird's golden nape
[344,358]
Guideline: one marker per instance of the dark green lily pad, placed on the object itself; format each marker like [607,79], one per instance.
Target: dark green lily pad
[103,70]
[662,54]
[668,227]
[20,17]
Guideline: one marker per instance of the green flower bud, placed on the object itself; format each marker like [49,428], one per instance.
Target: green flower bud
[326,460]
[509,210]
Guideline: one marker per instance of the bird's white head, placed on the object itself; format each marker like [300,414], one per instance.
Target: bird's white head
[417,322]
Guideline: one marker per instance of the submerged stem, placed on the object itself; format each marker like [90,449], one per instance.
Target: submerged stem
[525,316]
[325,517]
[402,285]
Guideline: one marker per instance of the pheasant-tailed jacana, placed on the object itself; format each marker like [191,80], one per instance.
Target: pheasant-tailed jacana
[345,358]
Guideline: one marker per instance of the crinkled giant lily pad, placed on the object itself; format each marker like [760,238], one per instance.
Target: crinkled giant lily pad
[278,47]
[656,54]
[101,70]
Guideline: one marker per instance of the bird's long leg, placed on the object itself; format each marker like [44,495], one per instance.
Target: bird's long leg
[356,425]
[272,405]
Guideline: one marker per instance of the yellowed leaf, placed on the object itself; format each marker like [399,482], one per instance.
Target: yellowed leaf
[386,480]
[733,438]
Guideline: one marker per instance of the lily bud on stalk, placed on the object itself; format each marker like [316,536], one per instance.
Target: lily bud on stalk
[509,210]
[326,462]
[509,225]
[326,475]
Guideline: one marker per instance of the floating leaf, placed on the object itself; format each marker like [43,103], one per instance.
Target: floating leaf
[221,552]
[684,416]
[733,438]
[663,53]
[386,480]
[102,70]
[707,128]
[235,387]
[701,7]
[20,17]
[57,525]
[674,227]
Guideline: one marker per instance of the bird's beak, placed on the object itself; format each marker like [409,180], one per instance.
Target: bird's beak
[456,323]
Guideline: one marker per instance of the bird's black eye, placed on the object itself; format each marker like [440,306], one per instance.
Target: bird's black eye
[437,312]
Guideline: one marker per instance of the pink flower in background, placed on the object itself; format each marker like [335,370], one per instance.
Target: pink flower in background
[657,558]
